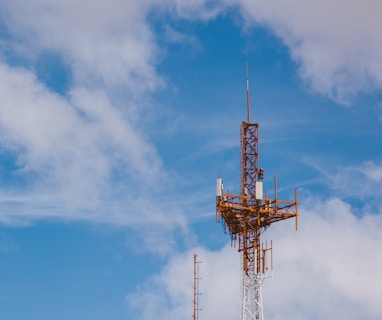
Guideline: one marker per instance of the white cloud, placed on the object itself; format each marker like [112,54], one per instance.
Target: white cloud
[108,42]
[328,269]
[337,44]
[174,36]
[75,152]
[372,171]
[360,182]
[197,9]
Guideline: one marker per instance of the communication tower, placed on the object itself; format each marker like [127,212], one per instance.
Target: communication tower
[247,215]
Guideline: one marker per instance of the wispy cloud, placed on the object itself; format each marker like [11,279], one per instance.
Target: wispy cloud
[108,43]
[75,152]
[175,36]
[361,181]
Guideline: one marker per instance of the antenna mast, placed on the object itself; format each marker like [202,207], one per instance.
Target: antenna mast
[248,96]
[247,215]
[196,287]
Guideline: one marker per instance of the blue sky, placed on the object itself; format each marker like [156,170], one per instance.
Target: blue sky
[116,118]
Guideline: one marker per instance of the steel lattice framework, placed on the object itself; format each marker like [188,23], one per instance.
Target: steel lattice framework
[247,215]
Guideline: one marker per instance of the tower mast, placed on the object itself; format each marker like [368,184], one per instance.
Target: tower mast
[248,97]
[247,215]
[196,287]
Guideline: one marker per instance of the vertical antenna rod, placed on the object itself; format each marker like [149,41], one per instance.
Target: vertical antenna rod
[248,96]
[196,293]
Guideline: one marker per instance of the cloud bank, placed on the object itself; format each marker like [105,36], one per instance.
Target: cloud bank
[328,269]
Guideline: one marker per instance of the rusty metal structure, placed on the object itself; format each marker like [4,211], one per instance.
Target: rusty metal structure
[247,215]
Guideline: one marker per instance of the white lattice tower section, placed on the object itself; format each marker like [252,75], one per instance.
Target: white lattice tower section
[252,301]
